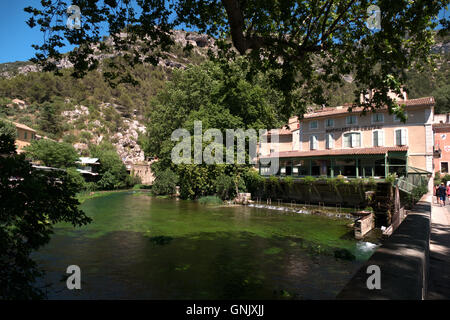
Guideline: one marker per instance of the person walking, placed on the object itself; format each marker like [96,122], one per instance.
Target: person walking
[448,190]
[442,190]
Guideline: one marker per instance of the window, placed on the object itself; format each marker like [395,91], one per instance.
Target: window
[377,118]
[444,167]
[400,137]
[25,135]
[351,120]
[313,143]
[329,123]
[378,138]
[330,141]
[265,171]
[352,140]
[313,124]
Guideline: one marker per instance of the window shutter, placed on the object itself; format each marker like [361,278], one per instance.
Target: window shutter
[403,137]
[330,141]
[380,137]
[356,140]
[398,137]
[375,138]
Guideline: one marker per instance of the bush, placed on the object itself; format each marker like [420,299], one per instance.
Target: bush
[225,186]
[52,153]
[211,200]
[113,172]
[7,136]
[132,180]
[165,182]
[76,178]
[445,178]
[254,182]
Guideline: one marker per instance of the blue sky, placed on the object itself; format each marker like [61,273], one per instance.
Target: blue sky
[15,35]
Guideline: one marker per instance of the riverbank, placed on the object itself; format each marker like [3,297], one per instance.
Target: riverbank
[83,196]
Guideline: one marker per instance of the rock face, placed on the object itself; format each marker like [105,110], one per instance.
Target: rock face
[125,142]
[124,139]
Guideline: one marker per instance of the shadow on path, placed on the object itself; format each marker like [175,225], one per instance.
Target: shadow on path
[439,276]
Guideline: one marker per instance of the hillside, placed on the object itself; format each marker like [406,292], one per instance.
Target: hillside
[89,111]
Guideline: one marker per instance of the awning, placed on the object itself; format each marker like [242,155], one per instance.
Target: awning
[335,152]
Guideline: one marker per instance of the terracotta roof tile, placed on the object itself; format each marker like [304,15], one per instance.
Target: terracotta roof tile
[336,152]
[425,101]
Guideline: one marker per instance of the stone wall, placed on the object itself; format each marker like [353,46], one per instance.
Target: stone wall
[403,261]
[144,171]
[345,194]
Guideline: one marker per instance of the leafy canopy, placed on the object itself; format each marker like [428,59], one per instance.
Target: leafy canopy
[31,201]
[52,153]
[310,43]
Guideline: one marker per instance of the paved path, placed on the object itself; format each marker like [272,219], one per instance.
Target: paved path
[439,281]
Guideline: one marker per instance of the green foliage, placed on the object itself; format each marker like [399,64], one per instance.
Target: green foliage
[309,180]
[50,120]
[113,172]
[31,201]
[165,182]
[206,93]
[417,193]
[210,200]
[337,41]
[391,178]
[334,183]
[225,186]
[254,182]
[132,180]
[445,178]
[8,134]
[357,184]
[76,178]
[52,153]
[289,182]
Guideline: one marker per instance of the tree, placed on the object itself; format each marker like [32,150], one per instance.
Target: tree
[52,153]
[31,201]
[113,171]
[49,119]
[165,182]
[7,137]
[309,42]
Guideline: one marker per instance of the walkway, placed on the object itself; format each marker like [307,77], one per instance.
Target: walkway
[439,277]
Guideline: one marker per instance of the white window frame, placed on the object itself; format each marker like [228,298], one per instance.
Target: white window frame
[352,147]
[313,142]
[406,137]
[329,144]
[382,140]
[375,115]
[311,127]
[356,119]
[326,123]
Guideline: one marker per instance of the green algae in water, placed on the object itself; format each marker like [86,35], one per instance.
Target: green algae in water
[273,250]
[143,247]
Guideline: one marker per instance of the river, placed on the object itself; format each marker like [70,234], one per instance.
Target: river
[142,247]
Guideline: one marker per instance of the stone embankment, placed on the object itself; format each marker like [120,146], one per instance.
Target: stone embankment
[403,261]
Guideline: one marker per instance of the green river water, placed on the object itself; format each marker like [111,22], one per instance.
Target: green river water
[141,247]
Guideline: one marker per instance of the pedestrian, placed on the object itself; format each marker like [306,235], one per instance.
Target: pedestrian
[448,190]
[436,193]
[442,193]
